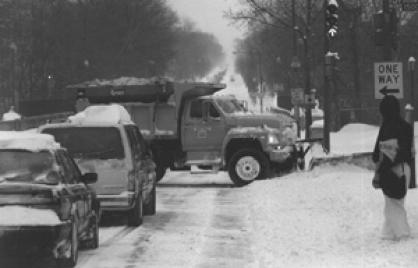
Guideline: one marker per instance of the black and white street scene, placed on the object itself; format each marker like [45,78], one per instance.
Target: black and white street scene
[208,133]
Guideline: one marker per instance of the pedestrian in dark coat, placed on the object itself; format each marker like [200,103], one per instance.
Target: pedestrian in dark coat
[392,153]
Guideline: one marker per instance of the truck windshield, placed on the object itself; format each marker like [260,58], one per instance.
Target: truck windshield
[27,166]
[89,142]
[230,106]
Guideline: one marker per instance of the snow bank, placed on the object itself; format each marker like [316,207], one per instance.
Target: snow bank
[354,138]
[27,141]
[328,217]
[25,216]
[11,116]
[106,114]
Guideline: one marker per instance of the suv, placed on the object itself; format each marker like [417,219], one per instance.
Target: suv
[118,154]
[45,202]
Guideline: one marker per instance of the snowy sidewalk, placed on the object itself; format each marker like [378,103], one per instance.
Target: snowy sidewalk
[328,217]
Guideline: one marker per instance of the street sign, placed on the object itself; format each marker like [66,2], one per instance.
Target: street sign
[297,96]
[410,5]
[388,79]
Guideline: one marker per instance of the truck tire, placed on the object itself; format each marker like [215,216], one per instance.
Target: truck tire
[149,208]
[135,215]
[247,165]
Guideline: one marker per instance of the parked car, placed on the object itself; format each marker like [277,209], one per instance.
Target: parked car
[45,202]
[100,141]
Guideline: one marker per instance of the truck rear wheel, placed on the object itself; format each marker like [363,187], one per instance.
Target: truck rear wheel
[247,165]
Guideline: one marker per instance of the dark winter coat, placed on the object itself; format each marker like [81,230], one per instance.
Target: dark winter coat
[393,127]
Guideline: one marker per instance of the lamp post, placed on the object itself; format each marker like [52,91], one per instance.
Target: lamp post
[411,70]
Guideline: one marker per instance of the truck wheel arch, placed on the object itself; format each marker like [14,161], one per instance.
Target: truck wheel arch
[236,144]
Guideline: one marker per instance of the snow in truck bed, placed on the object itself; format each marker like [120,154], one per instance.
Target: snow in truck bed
[106,114]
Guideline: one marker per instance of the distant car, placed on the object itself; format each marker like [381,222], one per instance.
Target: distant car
[114,148]
[49,203]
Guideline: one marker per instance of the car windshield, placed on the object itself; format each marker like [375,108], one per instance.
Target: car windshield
[27,166]
[89,142]
[230,106]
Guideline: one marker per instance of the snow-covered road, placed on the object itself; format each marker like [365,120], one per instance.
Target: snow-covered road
[201,221]
[328,217]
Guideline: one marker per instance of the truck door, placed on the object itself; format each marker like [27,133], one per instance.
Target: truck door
[204,127]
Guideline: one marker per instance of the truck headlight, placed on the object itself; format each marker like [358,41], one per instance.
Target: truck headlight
[272,139]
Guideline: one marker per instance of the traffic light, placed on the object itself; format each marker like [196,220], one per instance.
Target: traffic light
[331,17]
[379,28]
[386,29]
[393,29]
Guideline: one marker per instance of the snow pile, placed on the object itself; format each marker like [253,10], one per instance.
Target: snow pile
[103,114]
[25,216]
[11,115]
[329,217]
[354,138]
[27,141]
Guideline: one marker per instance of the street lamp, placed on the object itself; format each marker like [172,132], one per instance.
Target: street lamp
[411,69]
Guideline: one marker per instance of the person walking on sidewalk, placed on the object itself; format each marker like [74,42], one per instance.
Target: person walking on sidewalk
[392,155]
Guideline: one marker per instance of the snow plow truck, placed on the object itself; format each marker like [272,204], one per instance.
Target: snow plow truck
[187,126]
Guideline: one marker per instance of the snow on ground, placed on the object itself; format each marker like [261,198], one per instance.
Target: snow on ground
[11,115]
[25,216]
[328,217]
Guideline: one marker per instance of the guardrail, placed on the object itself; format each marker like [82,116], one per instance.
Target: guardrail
[33,121]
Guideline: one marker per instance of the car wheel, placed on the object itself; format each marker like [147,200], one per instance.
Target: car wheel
[248,165]
[93,241]
[150,207]
[71,261]
[136,213]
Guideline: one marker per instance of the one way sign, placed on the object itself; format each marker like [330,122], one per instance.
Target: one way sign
[388,79]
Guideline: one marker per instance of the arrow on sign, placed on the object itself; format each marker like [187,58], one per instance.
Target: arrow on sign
[385,90]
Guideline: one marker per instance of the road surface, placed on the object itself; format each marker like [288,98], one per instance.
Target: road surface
[201,221]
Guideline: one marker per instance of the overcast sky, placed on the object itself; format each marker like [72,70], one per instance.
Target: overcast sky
[209,17]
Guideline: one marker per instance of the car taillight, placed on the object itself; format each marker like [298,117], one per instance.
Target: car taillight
[131,181]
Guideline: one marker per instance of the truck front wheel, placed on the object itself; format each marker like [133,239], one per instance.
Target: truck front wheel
[247,165]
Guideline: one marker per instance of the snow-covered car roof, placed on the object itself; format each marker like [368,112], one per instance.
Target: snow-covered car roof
[102,114]
[27,141]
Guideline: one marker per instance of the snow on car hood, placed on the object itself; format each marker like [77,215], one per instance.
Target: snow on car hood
[26,216]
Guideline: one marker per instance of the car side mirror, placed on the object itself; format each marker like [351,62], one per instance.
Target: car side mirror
[89,178]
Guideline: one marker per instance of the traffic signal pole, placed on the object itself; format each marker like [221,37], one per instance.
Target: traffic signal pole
[330,30]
